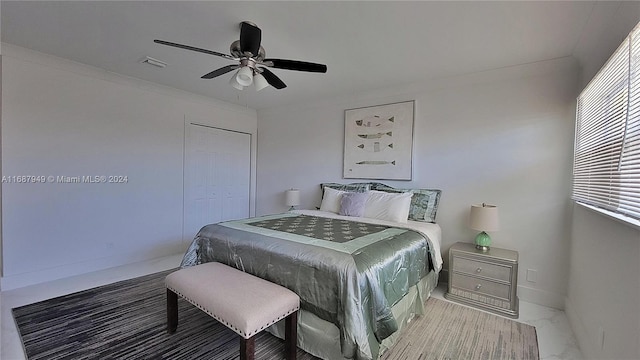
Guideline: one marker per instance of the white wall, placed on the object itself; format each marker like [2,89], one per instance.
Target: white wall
[604,286]
[603,297]
[502,137]
[65,119]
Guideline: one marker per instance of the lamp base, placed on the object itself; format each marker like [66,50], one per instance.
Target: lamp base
[483,240]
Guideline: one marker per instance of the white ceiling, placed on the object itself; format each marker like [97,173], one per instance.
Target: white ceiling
[365,45]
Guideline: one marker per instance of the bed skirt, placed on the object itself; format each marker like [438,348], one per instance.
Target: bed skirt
[322,338]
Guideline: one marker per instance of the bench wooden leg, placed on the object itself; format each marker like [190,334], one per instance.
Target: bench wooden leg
[247,348]
[291,336]
[172,311]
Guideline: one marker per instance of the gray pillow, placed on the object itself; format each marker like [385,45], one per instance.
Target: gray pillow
[352,203]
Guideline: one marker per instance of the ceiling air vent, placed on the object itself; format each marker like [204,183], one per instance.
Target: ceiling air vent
[155,62]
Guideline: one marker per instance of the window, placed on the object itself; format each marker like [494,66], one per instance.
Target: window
[606,168]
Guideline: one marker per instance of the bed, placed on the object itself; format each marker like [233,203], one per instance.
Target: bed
[360,278]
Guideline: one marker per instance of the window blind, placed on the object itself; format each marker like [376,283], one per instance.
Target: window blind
[606,168]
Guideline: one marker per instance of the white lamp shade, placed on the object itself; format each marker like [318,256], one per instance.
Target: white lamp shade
[260,82]
[235,83]
[484,218]
[245,76]
[292,197]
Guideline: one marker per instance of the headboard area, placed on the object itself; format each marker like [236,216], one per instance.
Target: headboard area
[423,206]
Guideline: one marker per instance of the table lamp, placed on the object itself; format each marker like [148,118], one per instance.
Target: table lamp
[483,218]
[292,198]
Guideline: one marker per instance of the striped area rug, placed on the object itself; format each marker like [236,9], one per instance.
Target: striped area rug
[451,331]
[127,320]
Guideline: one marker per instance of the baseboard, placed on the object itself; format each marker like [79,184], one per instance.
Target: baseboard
[541,297]
[60,272]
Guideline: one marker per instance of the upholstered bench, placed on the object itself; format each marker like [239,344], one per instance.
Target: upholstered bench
[244,303]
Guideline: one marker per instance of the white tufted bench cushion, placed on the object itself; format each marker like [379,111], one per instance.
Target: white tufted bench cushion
[244,303]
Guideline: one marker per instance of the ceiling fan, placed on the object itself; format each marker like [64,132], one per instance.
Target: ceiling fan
[253,65]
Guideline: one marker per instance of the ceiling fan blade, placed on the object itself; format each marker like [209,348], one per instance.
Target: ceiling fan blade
[272,79]
[250,38]
[221,71]
[295,65]
[187,47]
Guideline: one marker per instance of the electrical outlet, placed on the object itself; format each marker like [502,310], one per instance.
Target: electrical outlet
[532,275]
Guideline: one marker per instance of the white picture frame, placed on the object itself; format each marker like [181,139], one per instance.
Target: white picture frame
[378,142]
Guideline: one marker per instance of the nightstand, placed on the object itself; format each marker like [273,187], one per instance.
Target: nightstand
[484,279]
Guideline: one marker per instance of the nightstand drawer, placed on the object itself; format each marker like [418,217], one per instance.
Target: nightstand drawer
[487,279]
[482,268]
[481,286]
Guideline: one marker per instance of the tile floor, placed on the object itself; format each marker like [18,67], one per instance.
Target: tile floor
[555,338]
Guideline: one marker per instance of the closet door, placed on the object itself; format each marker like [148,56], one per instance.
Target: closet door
[216,177]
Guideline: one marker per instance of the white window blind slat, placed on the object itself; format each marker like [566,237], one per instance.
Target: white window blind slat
[606,168]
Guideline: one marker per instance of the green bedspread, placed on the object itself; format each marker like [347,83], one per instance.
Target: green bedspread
[345,272]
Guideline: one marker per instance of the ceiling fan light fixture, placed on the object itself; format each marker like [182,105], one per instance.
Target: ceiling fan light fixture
[234,82]
[245,76]
[260,82]
[253,62]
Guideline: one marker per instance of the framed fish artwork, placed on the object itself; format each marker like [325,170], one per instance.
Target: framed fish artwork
[378,142]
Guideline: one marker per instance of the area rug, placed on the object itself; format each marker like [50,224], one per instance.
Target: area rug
[451,331]
[127,320]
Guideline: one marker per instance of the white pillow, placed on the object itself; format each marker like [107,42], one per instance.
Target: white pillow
[388,206]
[331,200]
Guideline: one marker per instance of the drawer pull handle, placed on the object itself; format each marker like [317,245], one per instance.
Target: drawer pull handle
[479,270]
[478,286]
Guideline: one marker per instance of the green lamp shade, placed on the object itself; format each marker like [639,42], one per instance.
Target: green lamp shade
[483,240]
